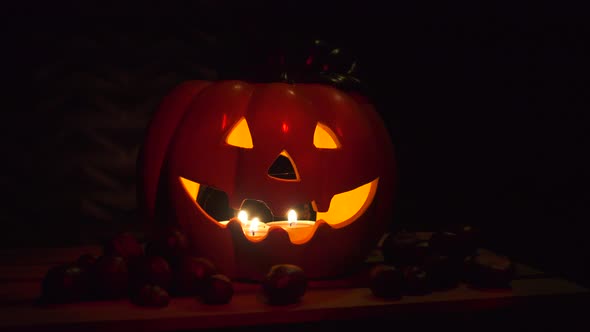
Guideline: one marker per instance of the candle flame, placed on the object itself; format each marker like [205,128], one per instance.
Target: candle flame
[254,225]
[291,217]
[243,216]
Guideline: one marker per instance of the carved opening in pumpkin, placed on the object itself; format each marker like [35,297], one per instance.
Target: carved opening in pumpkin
[215,204]
[283,168]
[325,138]
[343,210]
[239,135]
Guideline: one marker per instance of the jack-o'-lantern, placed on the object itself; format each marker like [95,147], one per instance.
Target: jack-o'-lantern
[281,146]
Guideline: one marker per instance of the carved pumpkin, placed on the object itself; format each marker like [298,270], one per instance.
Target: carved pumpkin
[229,137]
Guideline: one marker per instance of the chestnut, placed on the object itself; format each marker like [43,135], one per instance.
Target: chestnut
[443,271]
[191,275]
[64,283]
[151,296]
[110,277]
[487,269]
[457,241]
[170,243]
[153,270]
[386,281]
[124,245]
[404,248]
[218,290]
[284,284]
[416,280]
[86,261]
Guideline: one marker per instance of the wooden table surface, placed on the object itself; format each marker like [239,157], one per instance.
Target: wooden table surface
[21,271]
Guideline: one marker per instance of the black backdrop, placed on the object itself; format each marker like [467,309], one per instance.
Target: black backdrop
[487,105]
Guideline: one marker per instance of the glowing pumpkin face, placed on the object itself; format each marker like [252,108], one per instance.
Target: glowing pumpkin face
[281,146]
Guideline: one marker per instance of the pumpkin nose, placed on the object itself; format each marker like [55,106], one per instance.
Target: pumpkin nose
[283,168]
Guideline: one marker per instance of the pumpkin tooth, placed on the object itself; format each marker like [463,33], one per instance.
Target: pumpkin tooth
[347,206]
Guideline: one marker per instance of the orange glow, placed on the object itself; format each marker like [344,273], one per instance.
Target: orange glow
[239,135]
[347,206]
[324,137]
[192,188]
[285,127]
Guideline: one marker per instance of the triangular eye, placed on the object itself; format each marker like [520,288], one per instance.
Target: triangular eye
[239,135]
[324,137]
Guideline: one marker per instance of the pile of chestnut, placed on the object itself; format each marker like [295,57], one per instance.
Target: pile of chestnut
[414,265]
[149,275]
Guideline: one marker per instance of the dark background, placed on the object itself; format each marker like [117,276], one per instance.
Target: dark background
[487,104]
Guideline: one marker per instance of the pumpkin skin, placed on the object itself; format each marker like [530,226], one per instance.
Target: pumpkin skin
[187,139]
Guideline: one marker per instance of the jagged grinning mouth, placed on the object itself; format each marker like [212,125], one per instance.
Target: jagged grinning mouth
[344,207]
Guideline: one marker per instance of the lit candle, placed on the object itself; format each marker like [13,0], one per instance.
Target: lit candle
[254,225]
[292,217]
[243,217]
[298,230]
